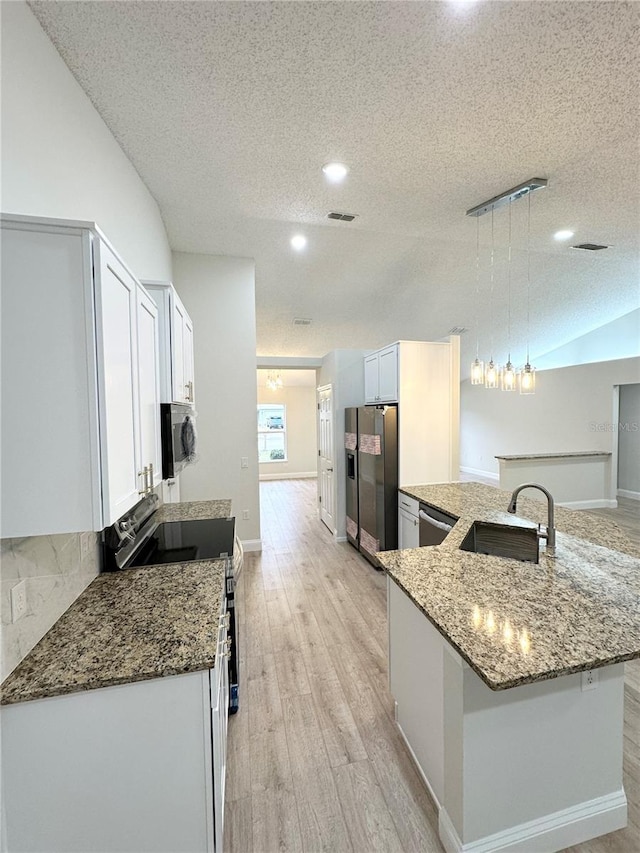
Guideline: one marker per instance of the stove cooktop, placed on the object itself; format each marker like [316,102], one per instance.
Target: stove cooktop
[186,541]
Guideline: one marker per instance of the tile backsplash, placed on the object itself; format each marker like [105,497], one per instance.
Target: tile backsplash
[56,569]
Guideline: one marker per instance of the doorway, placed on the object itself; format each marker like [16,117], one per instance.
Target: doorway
[326,457]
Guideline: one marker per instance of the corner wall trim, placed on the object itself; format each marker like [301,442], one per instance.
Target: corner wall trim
[476,472]
[552,832]
[627,493]
[252,544]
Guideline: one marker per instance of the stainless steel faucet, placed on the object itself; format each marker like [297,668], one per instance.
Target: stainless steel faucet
[550,533]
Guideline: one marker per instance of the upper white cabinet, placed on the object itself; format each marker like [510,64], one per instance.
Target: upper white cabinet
[381,376]
[423,378]
[79,396]
[176,344]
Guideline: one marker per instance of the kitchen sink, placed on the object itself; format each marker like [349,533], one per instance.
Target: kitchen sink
[502,540]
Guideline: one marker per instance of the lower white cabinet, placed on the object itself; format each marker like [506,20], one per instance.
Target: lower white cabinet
[408,529]
[135,767]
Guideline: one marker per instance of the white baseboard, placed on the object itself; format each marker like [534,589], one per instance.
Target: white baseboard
[476,472]
[252,544]
[339,538]
[545,834]
[304,475]
[602,503]
[626,493]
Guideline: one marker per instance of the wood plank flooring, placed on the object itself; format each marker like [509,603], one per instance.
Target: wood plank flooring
[315,762]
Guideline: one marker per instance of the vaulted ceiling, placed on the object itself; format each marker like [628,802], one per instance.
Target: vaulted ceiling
[228,110]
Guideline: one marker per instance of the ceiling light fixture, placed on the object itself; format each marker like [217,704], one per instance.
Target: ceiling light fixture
[563,235]
[299,241]
[492,375]
[477,366]
[508,376]
[528,374]
[335,172]
[274,380]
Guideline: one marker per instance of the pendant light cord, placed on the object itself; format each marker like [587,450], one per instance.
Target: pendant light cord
[509,291]
[477,285]
[528,270]
[491,289]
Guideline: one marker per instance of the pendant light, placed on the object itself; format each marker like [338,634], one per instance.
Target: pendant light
[492,371]
[528,374]
[477,366]
[508,377]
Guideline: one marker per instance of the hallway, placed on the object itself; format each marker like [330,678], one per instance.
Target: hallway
[315,762]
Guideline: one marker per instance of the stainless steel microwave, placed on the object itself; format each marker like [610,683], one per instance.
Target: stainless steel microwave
[179,440]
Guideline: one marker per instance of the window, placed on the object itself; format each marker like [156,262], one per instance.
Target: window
[272,433]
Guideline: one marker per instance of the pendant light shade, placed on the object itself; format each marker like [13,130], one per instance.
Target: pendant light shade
[528,379]
[477,372]
[492,375]
[508,377]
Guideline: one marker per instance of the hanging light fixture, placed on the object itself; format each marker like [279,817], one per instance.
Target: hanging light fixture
[528,374]
[491,375]
[274,380]
[477,366]
[492,372]
[508,376]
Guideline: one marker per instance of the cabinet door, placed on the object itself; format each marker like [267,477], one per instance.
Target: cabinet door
[148,385]
[388,375]
[371,378]
[188,358]
[177,350]
[408,530]
[219,717]
[116,317]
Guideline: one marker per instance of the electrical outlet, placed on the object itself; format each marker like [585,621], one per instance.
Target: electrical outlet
[245,514]
[244,461]
[590,679]
[18,600]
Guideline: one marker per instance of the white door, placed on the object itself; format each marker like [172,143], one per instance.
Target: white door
[116,296]
[180,394]
[148,385]
[325,453]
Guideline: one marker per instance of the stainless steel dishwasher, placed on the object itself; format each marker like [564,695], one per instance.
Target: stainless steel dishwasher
[435,525]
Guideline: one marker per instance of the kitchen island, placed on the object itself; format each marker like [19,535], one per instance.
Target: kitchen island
[114,725]
[508,675]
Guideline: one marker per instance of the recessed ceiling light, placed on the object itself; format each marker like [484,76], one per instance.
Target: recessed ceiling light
[298,241]
[335,172]
[563,235]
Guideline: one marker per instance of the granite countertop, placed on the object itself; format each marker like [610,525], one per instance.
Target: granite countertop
[556,455]
[130,625]
[515,622]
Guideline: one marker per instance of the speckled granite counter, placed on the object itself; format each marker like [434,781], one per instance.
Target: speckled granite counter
[516,622]
[130,625]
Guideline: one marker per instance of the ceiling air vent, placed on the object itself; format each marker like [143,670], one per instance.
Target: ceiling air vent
[590,247]
[301,321]
[343,217]
[457,330]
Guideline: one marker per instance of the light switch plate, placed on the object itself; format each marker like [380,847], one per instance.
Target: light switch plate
[18,600]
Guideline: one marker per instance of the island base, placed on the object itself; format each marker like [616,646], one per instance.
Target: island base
[537,767]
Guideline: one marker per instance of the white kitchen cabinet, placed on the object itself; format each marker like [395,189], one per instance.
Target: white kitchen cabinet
[149,453]
[381,376]
[408,523]
[71,414]
[423,378]
[136,766]
[176,344]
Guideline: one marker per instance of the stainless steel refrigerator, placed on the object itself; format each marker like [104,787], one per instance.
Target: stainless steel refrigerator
[371,448]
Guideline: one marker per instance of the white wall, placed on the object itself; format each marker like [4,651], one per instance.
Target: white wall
[219,294]
[572,409]
[618,339]
[59,158]
[629,440]
[301,423]
[344,370]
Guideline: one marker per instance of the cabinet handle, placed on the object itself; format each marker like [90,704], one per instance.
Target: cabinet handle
[189,394]
[144,474]
[227,648]
[227,620]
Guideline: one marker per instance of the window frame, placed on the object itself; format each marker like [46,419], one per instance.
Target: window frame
[261,407]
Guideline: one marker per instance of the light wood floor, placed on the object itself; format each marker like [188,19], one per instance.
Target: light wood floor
[315,762]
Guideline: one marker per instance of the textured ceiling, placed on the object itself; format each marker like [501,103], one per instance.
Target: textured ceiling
[228,110]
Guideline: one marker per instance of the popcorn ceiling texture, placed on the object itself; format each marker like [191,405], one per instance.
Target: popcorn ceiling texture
[515,622]
[229,110]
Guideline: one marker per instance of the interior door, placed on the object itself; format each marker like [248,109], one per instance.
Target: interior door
[326,456]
